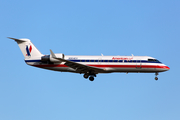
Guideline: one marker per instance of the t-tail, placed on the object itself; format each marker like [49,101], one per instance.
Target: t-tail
[27,48]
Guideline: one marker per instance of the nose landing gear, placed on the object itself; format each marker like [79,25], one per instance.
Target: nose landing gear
[156,78]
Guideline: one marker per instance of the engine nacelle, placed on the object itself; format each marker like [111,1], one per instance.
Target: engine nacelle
[57,56]
[45,58]
[49,58]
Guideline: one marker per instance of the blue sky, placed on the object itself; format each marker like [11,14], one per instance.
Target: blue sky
[93,27]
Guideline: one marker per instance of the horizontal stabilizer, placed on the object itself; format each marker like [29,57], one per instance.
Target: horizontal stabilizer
[19,40]
[27,48]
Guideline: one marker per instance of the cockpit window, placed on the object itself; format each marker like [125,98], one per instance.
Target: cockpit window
[157,60]
[153,60]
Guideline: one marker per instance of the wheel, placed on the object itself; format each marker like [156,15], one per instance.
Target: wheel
[86,76]
[91,78]
[156,78]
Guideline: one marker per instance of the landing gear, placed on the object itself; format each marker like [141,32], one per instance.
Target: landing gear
[156,78]
[86,76]
[91,78]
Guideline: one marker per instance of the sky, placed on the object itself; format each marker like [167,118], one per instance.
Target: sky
[116,27]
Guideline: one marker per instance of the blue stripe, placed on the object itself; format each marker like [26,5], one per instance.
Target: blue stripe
[27,50]
[32,60]
[131,61]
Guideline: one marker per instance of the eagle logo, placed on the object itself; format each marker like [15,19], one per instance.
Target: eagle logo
[28,50]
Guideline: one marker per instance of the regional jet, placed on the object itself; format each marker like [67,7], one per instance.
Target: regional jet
[89,66]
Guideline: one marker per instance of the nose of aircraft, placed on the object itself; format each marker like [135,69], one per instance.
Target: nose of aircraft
[164,68]
[167,68]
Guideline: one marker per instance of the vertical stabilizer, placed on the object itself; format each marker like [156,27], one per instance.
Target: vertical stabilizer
[27,48]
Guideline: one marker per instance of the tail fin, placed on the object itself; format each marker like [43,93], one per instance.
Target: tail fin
[27,48]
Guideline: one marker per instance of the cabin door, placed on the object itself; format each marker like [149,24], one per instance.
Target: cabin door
[138,64]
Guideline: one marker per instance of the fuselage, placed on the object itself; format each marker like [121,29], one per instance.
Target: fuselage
[90,66]
[109,64]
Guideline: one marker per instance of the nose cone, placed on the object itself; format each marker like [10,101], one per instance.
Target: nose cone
[166,68]
[163,68]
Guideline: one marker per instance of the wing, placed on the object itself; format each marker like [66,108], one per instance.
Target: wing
[80,68]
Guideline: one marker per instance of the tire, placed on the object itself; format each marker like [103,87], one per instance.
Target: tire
[86,76]
[91,78]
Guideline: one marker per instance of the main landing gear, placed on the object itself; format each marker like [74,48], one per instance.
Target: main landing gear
[91,76]
[156,78]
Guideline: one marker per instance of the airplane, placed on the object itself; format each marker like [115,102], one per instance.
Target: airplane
[90,66]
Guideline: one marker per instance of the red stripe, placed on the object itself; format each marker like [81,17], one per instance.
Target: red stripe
[110,66]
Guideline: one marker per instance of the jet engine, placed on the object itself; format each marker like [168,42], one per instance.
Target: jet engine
[49,58]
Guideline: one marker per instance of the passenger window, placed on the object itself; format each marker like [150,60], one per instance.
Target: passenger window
[120,60]
[105,60]
[83,61]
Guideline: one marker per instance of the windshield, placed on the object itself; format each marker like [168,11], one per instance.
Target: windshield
[154,60]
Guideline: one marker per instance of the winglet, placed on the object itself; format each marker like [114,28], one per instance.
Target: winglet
[52,54]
